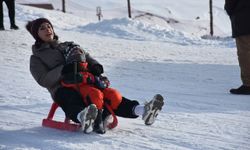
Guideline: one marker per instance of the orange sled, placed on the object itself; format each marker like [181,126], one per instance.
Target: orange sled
[68,124]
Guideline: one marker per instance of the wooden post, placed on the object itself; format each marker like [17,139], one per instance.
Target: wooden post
[129,9]
[211,17]
[63,6]
[99,12]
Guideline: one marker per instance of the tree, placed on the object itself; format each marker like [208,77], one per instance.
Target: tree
[211,17]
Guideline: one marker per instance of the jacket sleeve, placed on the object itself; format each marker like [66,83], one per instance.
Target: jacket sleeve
[44,77]
[91,61]
[230,6]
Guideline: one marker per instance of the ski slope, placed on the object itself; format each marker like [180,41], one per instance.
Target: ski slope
[141,56]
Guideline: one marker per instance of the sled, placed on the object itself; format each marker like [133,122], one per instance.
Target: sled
[68,124]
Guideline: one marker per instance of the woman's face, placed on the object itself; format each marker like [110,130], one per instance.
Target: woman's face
[45,32]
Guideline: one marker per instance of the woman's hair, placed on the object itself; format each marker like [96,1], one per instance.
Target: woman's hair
[33,27]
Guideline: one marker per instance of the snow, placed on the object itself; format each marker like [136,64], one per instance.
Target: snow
[141,57]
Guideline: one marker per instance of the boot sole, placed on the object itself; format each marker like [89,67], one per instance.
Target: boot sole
[156,107]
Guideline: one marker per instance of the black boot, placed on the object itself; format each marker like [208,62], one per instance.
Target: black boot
[15,27]
[105,114]
[244,90]
[98,126]
[2,28]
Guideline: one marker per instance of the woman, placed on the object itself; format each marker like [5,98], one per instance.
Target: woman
[75,83]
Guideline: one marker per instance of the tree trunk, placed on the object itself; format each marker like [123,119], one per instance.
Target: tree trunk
[63,6]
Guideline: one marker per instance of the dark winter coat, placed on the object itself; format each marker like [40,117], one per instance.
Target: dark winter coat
[47,62]
[239,13]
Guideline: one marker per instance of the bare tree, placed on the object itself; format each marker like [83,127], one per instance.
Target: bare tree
[129,9]
[211,17]
[63,6]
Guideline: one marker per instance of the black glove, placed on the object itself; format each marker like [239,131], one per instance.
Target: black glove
[105,81]
[72,78]
[102,82]
[96,69]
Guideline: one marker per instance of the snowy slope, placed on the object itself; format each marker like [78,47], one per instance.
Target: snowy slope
[194,75]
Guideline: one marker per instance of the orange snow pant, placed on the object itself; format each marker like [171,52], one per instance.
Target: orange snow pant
[91,94]
[96,96]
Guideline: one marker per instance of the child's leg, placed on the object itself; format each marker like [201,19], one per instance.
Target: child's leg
[112,97]
[92,95]
[122,106]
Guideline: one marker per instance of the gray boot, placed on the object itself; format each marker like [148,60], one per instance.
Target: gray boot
[87,118]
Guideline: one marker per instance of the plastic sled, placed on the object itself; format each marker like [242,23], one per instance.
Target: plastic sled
[66,125]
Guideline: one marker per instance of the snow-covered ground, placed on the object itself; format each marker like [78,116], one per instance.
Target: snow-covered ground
[142,56]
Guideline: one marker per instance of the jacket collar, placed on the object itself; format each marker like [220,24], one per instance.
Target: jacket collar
[46,45]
